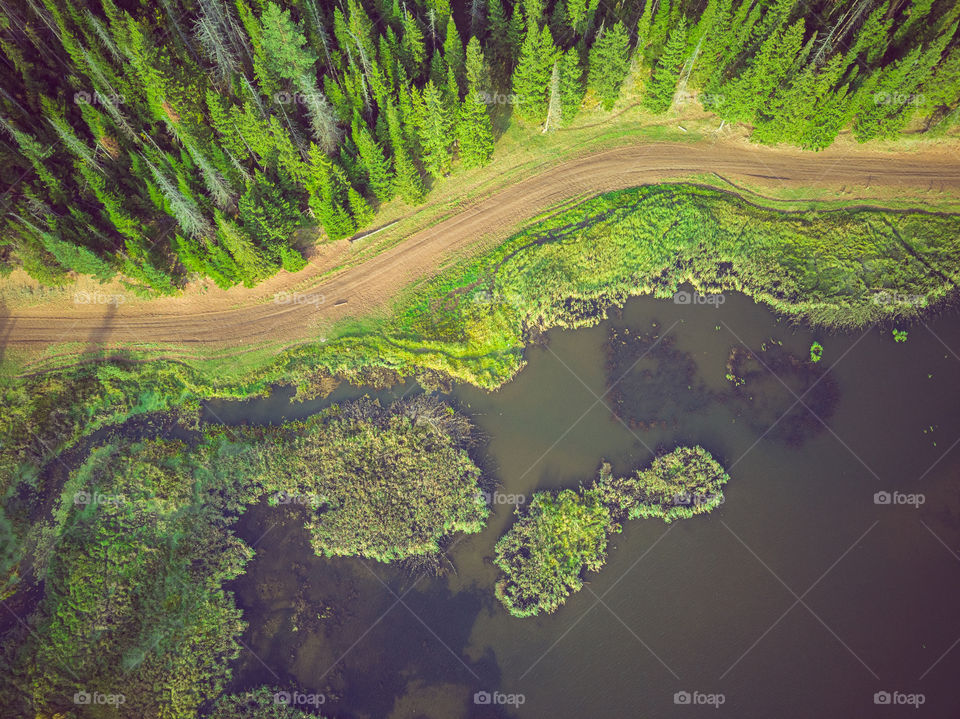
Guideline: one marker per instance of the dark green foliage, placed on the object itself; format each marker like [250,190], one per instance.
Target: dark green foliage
[474,131]
[570,84]
[268,214]
[121,120]
[407,181]
[261,703]
[531,78]
[436,131]
[659,92]
[608,64]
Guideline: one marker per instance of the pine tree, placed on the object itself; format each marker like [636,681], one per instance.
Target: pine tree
[375,163]
[407,182]
[531,79]
[253,266]
[745,95]
[359,208]
[436,132]
[659,91]
[414,50]
[182,207]
[474,129]
[643,31]
[499,49]
[282,52]
[609,64]
[453,51]
[889,102]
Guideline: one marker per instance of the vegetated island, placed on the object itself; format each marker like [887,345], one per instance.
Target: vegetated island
[139,545]
[563,534]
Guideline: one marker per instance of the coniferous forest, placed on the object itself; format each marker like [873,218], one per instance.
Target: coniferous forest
[158,140]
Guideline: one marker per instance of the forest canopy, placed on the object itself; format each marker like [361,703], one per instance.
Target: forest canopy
[159,140]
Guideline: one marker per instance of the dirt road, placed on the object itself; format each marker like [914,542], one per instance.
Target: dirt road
[239,317]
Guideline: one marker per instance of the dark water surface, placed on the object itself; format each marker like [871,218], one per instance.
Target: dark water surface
[799,597]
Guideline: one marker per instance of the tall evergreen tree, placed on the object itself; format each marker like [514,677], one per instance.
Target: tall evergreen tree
[407,182]
[436,128]
[474,130]
[609,64]
[571,84]
[531,79]
[659,92]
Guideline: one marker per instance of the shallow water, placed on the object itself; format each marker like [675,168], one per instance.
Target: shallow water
[799,597]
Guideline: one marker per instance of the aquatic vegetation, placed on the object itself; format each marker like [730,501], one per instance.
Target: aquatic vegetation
[679,485]
[264,703]
[651,382]
[133,605]
[389,483]
[899,335]
[138,545]
[561,535]
[816,352]
[544,553]
[780,395]
[568,270]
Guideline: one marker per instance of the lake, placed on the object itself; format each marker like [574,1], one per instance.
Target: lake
[826,583]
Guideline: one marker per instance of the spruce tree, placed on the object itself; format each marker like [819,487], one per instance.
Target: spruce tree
[436,128]
[609,64]
[531,79]
[375,163]
[407,182]
[453,51]
[659,91]
[474,129]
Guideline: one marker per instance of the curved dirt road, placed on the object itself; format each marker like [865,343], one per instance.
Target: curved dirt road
[220,320]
